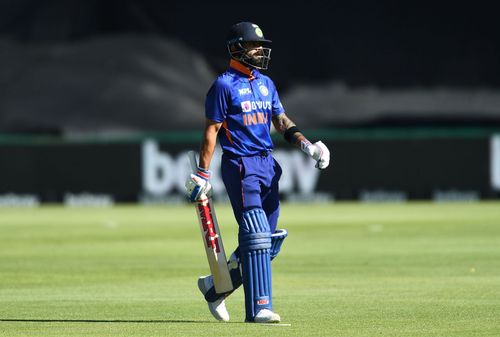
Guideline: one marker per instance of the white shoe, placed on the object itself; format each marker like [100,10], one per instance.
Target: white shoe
[217,308]
[267,316]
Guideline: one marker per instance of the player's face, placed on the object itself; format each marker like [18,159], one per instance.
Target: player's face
[254,50]
[253,54]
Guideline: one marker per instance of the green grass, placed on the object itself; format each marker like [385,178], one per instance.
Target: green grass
[415,269]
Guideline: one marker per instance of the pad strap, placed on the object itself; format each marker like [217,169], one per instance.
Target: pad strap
[277,239]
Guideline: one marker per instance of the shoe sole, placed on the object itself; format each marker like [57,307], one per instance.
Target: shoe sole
[272,321]
[276,320]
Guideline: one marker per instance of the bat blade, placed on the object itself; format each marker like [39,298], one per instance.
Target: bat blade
[212,239]
[214,248]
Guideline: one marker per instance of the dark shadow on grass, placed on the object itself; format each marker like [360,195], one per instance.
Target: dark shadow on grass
[153,321]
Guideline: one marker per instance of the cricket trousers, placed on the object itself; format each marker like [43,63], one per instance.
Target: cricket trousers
[252,185]
[252,182]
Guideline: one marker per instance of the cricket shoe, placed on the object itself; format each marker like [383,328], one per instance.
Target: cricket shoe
[218,307]
[267,316]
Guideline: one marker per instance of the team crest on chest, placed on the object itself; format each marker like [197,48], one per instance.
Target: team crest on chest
[263,90]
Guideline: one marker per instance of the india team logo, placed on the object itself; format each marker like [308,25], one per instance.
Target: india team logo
[263,90]
[246,106]
[258,31]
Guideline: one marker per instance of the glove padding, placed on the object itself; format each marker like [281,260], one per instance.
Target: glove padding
[197,185]
[319,152]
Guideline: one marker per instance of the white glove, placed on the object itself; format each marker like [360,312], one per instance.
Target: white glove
[318,151]
[197,185]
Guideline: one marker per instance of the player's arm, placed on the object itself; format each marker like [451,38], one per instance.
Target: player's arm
[198,185]
[318,151]
[282,123]
[208,143]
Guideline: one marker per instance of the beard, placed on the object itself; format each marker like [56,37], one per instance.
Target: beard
[259,58]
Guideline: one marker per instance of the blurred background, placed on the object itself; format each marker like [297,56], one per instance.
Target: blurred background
[101,100]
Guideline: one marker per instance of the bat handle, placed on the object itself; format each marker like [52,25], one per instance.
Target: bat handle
[193,161]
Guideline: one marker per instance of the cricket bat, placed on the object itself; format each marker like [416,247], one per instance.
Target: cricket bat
[212,239]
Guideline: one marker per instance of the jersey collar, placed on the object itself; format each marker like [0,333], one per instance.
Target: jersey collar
[240,68]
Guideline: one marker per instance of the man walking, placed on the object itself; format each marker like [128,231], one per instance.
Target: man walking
[239,109]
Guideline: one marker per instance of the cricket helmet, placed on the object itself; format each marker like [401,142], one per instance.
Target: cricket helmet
[248,32]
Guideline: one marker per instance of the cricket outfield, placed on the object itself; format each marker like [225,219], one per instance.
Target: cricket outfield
[346,269]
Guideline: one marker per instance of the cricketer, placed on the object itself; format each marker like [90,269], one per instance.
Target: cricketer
[239,109]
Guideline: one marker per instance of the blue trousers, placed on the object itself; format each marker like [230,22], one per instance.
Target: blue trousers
[252,182]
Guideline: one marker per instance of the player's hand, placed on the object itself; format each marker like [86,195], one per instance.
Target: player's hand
[197,185]
[319,152]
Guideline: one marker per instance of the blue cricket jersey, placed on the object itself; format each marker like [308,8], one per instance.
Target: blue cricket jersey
[244,103]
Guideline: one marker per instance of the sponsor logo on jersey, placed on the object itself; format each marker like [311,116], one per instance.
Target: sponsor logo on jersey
[244,91]
[255,118]
[246,106]
[263,90]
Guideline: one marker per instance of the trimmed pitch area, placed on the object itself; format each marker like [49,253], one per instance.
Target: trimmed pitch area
[412,269]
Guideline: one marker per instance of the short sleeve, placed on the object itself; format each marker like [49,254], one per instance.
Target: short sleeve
[277,106]
[216,102]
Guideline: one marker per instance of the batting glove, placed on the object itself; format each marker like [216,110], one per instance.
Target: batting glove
[197,186]
[318,151]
